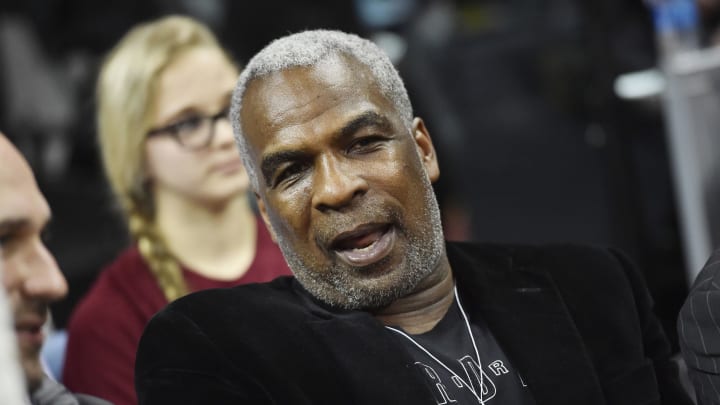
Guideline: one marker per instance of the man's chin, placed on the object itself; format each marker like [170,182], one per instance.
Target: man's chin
[34,376]
[34,373]
[365,294]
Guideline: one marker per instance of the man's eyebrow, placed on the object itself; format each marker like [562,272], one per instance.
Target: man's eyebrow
[366,119]
[271,162]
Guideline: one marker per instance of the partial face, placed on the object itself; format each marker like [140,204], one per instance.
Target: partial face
[196,84]
[30,275]
[344,185]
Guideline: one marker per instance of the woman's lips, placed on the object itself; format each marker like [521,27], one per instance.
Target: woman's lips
[230,167]
[366,248]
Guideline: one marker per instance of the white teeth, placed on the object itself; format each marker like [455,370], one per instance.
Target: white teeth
[372,253]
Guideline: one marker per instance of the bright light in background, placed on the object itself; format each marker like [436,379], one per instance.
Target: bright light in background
[393,44]
[639,85]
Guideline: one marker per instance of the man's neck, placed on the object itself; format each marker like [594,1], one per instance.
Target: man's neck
[419,311]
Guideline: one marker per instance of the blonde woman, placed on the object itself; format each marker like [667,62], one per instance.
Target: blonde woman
[169,155]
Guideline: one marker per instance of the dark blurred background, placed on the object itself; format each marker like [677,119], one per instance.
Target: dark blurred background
[534,145]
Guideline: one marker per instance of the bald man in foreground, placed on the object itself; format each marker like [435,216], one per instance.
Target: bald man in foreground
[30,275]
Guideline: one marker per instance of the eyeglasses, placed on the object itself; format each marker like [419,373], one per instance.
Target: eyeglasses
[195,132]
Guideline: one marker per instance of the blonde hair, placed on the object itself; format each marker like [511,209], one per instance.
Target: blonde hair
[126,91]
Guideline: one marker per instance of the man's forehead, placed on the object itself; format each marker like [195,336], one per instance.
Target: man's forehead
[20,198]
[297,95]
[13,163]
[298,86]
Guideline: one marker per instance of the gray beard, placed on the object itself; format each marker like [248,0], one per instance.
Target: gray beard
[341,288]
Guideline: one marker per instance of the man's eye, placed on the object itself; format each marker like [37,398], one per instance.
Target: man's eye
[289,174]
[365,144]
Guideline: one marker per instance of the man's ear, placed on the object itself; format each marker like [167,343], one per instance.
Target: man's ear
[264,215]
[426,149]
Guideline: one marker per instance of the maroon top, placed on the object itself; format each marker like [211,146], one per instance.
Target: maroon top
[105,328]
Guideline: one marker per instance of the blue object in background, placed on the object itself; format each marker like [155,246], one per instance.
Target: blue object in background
[52,354]
[381,14]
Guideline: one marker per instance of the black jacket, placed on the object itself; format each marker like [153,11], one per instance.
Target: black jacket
[575,321]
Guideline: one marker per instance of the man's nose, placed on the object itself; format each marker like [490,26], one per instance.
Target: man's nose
[336,184]
[43,279]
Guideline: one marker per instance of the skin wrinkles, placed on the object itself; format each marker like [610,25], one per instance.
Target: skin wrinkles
[385,186]
[369,119]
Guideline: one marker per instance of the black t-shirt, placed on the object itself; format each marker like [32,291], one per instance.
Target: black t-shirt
[450,343]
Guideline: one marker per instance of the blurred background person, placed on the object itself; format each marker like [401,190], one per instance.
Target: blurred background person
[30,276]
[169,155]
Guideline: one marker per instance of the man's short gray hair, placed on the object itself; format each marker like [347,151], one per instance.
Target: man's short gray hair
[306,49]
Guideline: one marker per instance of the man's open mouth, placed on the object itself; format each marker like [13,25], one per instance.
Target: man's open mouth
[364,245]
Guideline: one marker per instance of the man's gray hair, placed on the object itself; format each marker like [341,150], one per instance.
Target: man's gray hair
[306,49]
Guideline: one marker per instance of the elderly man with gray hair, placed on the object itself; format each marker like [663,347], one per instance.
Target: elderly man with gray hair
[381,310]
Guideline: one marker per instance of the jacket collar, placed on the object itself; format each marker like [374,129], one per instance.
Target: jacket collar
[526,314]
[519,302]
[357,341]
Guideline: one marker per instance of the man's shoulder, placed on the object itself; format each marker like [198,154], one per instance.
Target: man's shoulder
[708,280]
[536,256]
[590,280]
[281,289]
[571,266]
[244,319]
[249,301]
